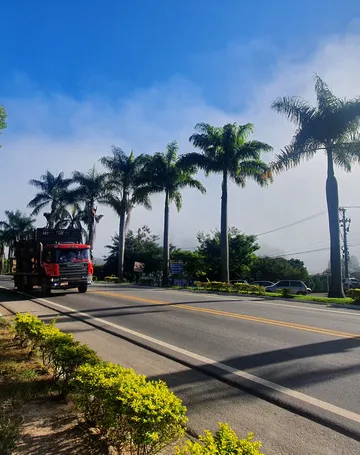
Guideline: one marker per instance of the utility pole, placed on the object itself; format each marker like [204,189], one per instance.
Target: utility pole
[345,225]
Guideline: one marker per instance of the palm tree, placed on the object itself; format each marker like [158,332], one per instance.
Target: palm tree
[166,173]
[73,218]
[53,194]
[332,127]
[126,178]
[92,187]
[226,151]
[17,223]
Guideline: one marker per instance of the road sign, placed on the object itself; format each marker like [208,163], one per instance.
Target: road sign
[139,267]
[176,267]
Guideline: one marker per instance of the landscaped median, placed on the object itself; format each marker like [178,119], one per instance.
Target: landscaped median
[353,295]
[128,412]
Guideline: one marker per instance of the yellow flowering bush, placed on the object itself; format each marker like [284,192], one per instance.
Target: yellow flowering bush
[224,441]
[127,409]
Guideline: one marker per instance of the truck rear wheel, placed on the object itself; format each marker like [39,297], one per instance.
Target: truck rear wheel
[82,288]
[19,283]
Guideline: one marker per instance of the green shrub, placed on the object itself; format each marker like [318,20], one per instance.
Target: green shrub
[9,427]
[156,416]
[128,409]
[28,329]
[202,284]
[95,390]
[224,441]
[51,343]
[354,294]
[112,279]
[4,323]
[286,293]
[66,356]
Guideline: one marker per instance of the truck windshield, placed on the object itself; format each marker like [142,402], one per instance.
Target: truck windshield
[72,255]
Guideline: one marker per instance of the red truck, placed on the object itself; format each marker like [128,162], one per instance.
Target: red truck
[52,259]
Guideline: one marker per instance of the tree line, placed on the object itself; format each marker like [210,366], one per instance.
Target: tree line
[204,262]
[331,127]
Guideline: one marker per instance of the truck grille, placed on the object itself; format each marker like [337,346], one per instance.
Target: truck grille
[73,271]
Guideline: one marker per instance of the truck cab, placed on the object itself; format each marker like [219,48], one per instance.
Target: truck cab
[68,266]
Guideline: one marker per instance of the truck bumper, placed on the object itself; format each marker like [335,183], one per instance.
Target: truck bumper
[60,283]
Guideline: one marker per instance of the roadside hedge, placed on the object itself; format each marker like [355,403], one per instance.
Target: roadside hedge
[130,412]
[354,294]
[59,351]
[240,288]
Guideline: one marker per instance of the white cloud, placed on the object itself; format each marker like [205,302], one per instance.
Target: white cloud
[57,132]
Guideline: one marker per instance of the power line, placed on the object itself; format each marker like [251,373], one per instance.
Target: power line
[301,252]
[303,220]
[355,244]
[293,224]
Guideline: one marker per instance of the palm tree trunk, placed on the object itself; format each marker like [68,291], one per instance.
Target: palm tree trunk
[224,239]
[91,223]
[121,252]
[2,259]
[332,198]
[166,250]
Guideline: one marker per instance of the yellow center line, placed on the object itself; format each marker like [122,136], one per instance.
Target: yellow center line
[180,306]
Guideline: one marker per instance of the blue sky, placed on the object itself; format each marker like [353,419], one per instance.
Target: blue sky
[114,47]
[77,77]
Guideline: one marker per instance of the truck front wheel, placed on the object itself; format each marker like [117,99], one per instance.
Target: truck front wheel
[82,288]
[45,290]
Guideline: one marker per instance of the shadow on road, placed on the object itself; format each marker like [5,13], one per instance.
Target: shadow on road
[284,373]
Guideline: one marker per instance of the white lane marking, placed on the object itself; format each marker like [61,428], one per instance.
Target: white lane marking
[354,312]
[221,366]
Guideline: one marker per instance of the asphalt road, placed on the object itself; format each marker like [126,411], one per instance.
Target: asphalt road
[287,371]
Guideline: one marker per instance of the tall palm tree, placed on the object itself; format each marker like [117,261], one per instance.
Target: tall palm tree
[126,177]
[92,188]
[53,194]
[332,127]
[226,151]
[166,173]
[17,223]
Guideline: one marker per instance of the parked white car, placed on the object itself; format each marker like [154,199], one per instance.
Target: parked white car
[295,286]
[350,283]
